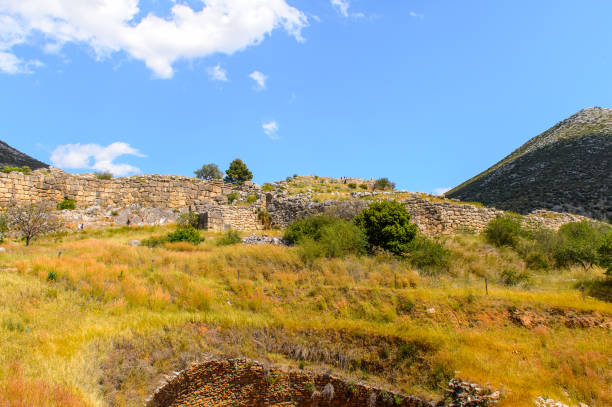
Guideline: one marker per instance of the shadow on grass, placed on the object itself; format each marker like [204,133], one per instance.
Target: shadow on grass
[600,288]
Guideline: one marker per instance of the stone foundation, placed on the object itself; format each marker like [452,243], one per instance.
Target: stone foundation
[241,382]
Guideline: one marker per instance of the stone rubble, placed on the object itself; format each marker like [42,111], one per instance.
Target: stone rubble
[263,239]
[465,394]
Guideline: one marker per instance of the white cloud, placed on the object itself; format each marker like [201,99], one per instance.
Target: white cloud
[441,191]
[271,129]
[95,157]
[417,15]
[342,6]
[109,26]
[216,73]
[260,79]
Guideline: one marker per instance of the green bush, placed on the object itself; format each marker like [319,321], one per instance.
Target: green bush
[231,237]
[537,260]
[326,236]
[428,255]
[188,220]
[384,184]
[238,173]
[604,251]
[104,175]
[186,234]
[267,187]
[504,230]
[363,186]
[251,198]
[511,277]
[386,224]
[25,169]
[265,218]
[352,185]
[66,204]
[579,244]
[231,197]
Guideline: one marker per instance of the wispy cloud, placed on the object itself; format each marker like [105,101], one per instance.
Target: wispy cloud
[417,15]
[271,129]
[260,80]
[441,191]
[111,26]
[342,6]
[95,157]
[216,73]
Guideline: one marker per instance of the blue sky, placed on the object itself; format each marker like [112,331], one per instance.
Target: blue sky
[427,93]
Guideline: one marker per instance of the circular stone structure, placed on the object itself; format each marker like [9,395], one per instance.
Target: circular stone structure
[242,382]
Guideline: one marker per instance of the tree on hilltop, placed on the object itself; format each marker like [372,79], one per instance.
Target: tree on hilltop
[209,172]
[384,184]
[238,173]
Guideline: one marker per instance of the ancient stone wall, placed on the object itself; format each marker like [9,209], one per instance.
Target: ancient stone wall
[157,199]
[240,382]
[432,217]
[155,191]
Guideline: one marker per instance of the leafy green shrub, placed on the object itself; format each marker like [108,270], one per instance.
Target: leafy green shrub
[511,277]
[25,169]
[428,255]
[386,224]
[384,184]
[352,185]
[579,244]
[326,236]
[363,186]
[604,252]
[537,260]
[251,198]
[66,204]
[188,220]
[231,197]
[265,218]
[238,173]
[185,234]
[267,187]
[104,175]
[504,230]
[231,237]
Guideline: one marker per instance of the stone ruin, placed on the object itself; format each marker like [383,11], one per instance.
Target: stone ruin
[160,199]
[242,382]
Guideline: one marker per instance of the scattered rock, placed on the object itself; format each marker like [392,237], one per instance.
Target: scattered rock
[264,239]
[546,402]
[2,250]
[465,394]
[135,243]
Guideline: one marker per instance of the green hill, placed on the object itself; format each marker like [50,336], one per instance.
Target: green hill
[568,168]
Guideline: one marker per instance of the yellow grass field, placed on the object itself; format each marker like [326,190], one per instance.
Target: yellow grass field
[102,323]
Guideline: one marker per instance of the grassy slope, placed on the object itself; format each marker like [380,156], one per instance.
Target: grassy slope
[101,324]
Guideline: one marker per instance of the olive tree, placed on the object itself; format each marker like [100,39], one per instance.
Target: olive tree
[209,172]
[32,220]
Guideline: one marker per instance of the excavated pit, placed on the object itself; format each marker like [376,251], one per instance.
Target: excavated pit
[241,382]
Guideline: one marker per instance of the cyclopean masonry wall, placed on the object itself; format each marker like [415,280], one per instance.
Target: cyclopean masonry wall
[432,217]
[240,382]
[160,199]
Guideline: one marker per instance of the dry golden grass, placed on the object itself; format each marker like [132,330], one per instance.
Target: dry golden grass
[100,324]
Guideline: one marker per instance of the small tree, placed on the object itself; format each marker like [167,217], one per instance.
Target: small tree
[209,172]
[238,172]
[504,230]
[384,184]
[3,226]
[32,220]
[387,225]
